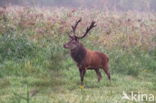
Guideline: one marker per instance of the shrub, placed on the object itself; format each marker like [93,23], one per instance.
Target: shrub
[14,47]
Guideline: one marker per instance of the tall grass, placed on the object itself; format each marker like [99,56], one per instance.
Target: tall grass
[31,51]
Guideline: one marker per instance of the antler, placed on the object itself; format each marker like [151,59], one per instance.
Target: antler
[75,26]
[92,25]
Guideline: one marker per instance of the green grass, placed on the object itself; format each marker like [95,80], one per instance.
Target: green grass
[35,63]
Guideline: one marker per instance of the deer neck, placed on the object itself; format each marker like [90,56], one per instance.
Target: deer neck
[78,53]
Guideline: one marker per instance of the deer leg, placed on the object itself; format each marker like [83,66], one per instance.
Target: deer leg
[106,70]
[82,73]
[98,74]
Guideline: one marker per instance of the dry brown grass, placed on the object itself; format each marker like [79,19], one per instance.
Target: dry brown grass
[123,29]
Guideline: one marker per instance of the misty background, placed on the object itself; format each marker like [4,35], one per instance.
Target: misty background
[122,5]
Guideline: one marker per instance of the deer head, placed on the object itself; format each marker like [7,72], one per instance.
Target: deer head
[74,40]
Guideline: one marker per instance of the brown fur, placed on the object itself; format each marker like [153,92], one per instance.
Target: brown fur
[94,59]
[87,59]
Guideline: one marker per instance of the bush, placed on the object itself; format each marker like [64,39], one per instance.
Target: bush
[14,47]
[124,63]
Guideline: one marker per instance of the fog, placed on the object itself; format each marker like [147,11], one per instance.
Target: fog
[122,5]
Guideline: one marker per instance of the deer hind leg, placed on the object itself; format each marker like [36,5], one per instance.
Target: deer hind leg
[98,74]
[82,73]
[106,70]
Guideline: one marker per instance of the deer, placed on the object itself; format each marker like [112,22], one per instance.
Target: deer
[85,58]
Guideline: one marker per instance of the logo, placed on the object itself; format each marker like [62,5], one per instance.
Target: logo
[138,97]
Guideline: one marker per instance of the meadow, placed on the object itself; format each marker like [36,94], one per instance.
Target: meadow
[35,68]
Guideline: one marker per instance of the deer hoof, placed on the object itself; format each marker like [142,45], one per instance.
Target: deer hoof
[81,86]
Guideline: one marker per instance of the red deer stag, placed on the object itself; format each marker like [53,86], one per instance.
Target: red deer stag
[85,58]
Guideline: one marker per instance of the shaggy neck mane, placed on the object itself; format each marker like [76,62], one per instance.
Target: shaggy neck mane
[78,54]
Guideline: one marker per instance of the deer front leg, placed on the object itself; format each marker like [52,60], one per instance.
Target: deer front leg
[82,73]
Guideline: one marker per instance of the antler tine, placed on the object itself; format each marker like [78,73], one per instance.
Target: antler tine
[92,25]
[75,26]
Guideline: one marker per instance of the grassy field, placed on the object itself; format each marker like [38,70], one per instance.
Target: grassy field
[35,68]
